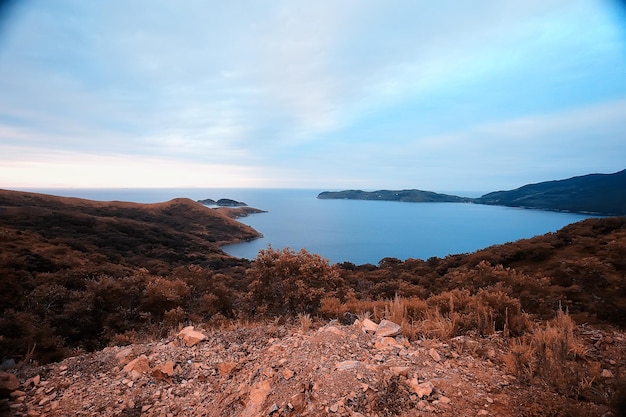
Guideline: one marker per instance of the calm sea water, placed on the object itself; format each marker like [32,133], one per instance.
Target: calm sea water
[358,231]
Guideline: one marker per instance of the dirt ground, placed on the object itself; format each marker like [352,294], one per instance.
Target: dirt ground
[286,370]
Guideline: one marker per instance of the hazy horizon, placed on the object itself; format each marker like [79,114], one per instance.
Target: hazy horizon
[310,95]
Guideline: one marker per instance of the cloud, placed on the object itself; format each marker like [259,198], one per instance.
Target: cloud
[353,92]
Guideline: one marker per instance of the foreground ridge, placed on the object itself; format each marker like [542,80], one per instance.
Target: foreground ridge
[280,370]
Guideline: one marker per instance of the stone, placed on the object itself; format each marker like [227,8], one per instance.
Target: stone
[333,329]
[387,342]
[8,383]
[287,374]
[258,394]
[226,368]
[124,356]
[483,413]
[137,367]
[434,354]
[272,409]
[387,328]
[400,370]
[345,365]
[334,408]
[368,326]
[190,336]
[164,371]
[444,400]
[18,393]
[422,390]
[298,401]
[606,373]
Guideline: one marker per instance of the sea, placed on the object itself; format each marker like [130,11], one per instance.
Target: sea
[357,231]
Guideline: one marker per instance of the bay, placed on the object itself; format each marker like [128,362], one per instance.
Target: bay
[357,231]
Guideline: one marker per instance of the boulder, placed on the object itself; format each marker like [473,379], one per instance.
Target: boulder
[137,366]
[388,328]
[368,326]
[190,336]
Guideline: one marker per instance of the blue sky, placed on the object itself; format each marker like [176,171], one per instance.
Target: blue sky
[451,95]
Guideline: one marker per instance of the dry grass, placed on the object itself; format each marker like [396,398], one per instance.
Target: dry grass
[305,321]
[437,325]
[553,353]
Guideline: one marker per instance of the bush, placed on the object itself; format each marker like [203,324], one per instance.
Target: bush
[286,282]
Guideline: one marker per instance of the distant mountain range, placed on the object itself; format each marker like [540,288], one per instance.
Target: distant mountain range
[594,193]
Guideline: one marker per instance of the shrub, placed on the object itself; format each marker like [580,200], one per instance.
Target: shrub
[161,295]
[283,281]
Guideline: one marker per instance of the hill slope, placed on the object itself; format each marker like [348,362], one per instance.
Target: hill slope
[177,231]
[594,193]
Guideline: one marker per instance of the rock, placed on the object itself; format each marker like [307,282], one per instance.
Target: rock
[298,401]
[258,394]
[606,373]
[333,329]
[444,400]
[334,408]
[124,355]
[483,413]
[287,374]
[8,383]
[164,371]
[368,326]
[18,393]
[345,365]
[434,354]
[386,342]
[190,336]
[387,328]
[422,390]
[400,370]
[272,409]
[137,367]
[225,368]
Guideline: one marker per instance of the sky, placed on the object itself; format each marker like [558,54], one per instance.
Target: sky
[436,95]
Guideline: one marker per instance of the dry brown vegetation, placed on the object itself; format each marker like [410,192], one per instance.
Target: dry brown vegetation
[78,275]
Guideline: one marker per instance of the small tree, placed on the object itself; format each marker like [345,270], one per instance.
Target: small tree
[286,282]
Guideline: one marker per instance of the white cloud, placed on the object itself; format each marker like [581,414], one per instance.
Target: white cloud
[66,169]
[310,91]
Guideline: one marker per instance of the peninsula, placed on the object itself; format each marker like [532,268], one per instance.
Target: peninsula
[603,194]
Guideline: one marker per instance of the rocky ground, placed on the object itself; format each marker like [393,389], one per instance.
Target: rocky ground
[291,370]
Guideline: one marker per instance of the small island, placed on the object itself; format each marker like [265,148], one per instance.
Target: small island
[222,202]
[412,196]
